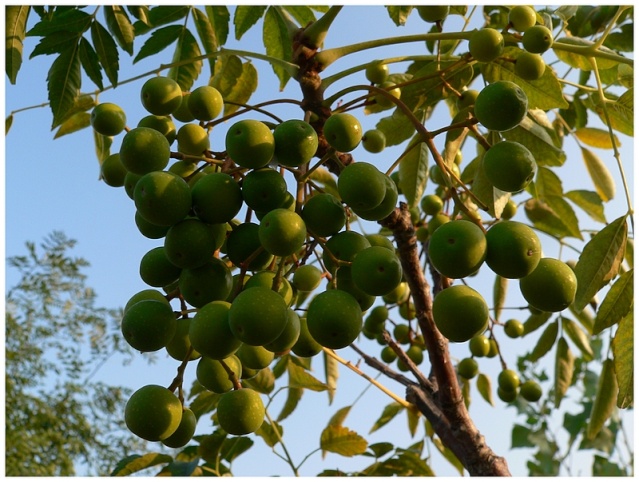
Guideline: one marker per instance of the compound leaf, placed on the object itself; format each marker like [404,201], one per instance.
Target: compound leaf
[617,303]
[343,441]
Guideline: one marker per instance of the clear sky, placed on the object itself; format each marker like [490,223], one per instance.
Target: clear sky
[53,185]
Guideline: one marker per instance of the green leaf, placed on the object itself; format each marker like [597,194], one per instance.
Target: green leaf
[494,199]
[245,17]
[428,87]
[579,61]
[234,80]
[343,441]
[205,402]
[396,127]
[548,183]
[158,41]
[536,321]
[500,288]
[600,175]
[75,123]
[233,447]
[120,26]
[566,214]
[389,412]
[338,418]
[380,449]
[622,349]
[578,337]
[135,463]
[399,13]
[300,378]
[484,386]
[521,437]
[413,171]
[107,51]
[409,463]
[564,367]
[602,467]
[621,113]
[140,12]
[54,43]
[73,21]
[449,455]
[546,219]
[166,14]
[278,43]
[302,14]
[413,420]
[595,137]
[589,202]
[206,34]
[210,446]
[605,399]
[180,468]
[617,303]
[7,124]
[331,371]
[63,83]
[269,433]
[600,260]
[186,48]
[263,382]
[102,146]
[538,141]
[545,342]
[15,23]
[90,64]
[220,19]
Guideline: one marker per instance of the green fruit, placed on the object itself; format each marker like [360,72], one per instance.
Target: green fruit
[378,315]
[210,282]
[242,244]
[324,215]
[305,346]
[180,344]
[514,328]
[182,113]
[282,232]
[550,287]
[380,240]
[147,294]
[479,345]
[530,390]
[513,249]
[258,316]
[307,277]
[161,95]
[191,243]
[108,119]
[522,17]
[193,140]
[264,189]
[433,13]
[501,106]
[289,337]
[457,249]
[407,310]
[361,185]
[240,412]
[210,332]
[112,171]
[212,375]
[144,150]
[205,103]
[376,72]
[156,269]
[493,350]
[295,142]
[345,283]
[437,176]
[334,319]
[149,230]
[506,396]
[383,209]
[153,413]
[250,143]
[162,198]
[510,209]
[388,355]
[537,39]
[374,141]
[343,132]
[343,246]
[266,280]
[508,380]
[149,325]
[460,313]
[185,431]
[398,295]
[130,181]
[486,45]
[436,222]
[530,66]
[385,101]
[431,204]
[255,357]
[376,270]
[468,368]
[163,124]
[467,98]
[216,198]
[401,333]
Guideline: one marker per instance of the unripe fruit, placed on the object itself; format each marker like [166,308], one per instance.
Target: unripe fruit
[388,355]
[383,209]
[210,332]
[343,246]
[191,243]
[144,150]
[522,17]
[431,204]
[184,433]
[108,119]
[305,346]
[460,313]
[376,72]
[243,242]
[513,249]
[493,350]
[457,249]
[385,101]
[530,390]
[467,98]
[149,325]
[514,328]
[147,294]
[180,344]
[374,141]
[149,230]
[436,222]
[530,66]
[401,333]
[130,181]
[205,103]
[211,282]
[162,198]
[486,45]
[258,316]
[345,283]
[307,277]
[250,143]
[361,185]
[506,396]
[182,113]
[537,39]
[295,142]
[254,357]
[113,171]
[217,198]
[289,337]
[552,286]
[264,189]
[266,279]
[212,375]
[398,295]
[433,13]
[282,232]
[153,413]
[479,345]
[193,140]
[334,319]
[156,269]
[508,380]
[240,412]
[510,209]
[161,95]
[324,215]
[343,132]
[376,270]
[161,123]
[468,368]
[501,106]
[380,240]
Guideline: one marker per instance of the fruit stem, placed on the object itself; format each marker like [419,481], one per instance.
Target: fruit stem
[314,35]
[591,51]
[310,171]
[232,376]
[179,378]
[277,433]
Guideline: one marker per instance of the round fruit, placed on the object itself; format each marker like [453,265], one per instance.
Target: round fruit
[191,243]
[388,355]
[437,176]
[514,328]
[510,209]
[161,95]
[506,396]
[457,249]
[401,333]
[182,113]
[289,337]
[305,346]
[431,204]
[162,198]
[376,72]
[345,283]
[254,357]
[156,269]
[193,140]
[211,282]
[211,333]
[493,348]
[149,325]
[433,13]
[501,106]
[243,243]
[258,316]
[144,150]
[537,39]
[282,232]
[508,380]
[108,119]
[324,215]
[530,390]
[513,249]
[130,181]
[212,375]
[343,246]
[295,142]
[240,412]
[385,101]
[376,270]
[343,132]
[486,44]
[383,209]
[361,185]
[266,280]
[161,123]
[180,344]
[250,143]
[205,103]
[153,413]
[147,294]
[468,368]
[436,222]
[334,319]
[479,345]
[217,198]
[380,240]
[460,313]
[550,287]
[184,433]
[467,98]
[149,230]
[264,189]
[307,277]
[374,141]
[530,66]
[113,171]
[398,295]
[522,17]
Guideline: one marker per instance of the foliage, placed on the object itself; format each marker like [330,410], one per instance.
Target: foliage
[581,355]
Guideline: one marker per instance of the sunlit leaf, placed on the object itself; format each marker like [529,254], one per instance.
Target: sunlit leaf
[413,171]
[494,199]
[580,61]
[590,202]
[536,321]
[270,433]
[396,128]
[339,416]
[277,39]
[545,218]
[565,214]
[187,48]
[301,13]
[398,13]
[233,447]
[617,303]
[500,288]
[413,420]
[102,146]
[205,402]
[547,183]
[538,141]
[600,175]
[75,123]
[15,30]
[449,455]
[331,371]
[263,382]
[484,386]
[390,411]
[564,367]
[220,19]
[621,113]
[245,17]
[596,137]
[605,399]
[623,351]
[578,337]
[545,342]
[120,26]
[292,399]
[343,441]
[300,378]
[380,449]
[135,463]
[206,34]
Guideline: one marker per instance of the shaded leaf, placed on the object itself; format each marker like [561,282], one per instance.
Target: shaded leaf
[449,455]
[181,468]
[521,437]
[577,60]
[107,51]
[564,367]
[75,123]
[590,202]
[233,447]
[399,13]
[186,48]
[206,34]
[7,124]
[500,287]
[536,321]
[269,433]
[396,128]
[623,351]
[566,214]
[342,441]
[602,467]
[544,218]
[413,171]
[89,61]
[220,19]
[538,141]
[484,386]
[158,41]
[102,146]
[600,175]
[605,399]
[63,83]
[292,399]
[277,40]
[164,14]
[15,23]
[331,371]
[263,382]
[236,81]
[545,342]
[120,26]
[596,137]
[74,21]
[578,337]
[621,113]
[547,183]
[300,378]
[389,412]
[245,17]
[617,303]
[381,448]
[135,463]
[600,260]
[205,402]
[53,44]
[494,199]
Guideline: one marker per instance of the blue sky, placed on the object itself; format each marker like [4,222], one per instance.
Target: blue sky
[53,185]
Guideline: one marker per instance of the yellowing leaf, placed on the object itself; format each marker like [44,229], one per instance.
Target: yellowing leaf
[300,378]
[578,337]
[605,398]
[387,415]
[76,122]
[485,389]
[135,463]
[564,367]
[343,441]
[413,172]
[331,370]
[600,175]
[413,420]
[499,294]
[622,349]
[340,416]
[617,303]
[595,137]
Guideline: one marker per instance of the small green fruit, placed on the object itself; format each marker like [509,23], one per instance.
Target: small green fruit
[374,141]
[376,72]
[149,325]
[334,319]
[513,249]
[514,328]
[433,13]
[153,413]
[295,142]
[522,17]
[211,333]
[468,368]
[457,249]
[324,215]
[113,171]
[552,286]
[361,185]
[486,44]
[144,150]
[508,380]
[108,119]
[184,433]
[479,345]
[250,143]
[501,106]
[530,66]
[537,39]
[460,313]
[240,412]
[376,270]
[161,95]
[258,316]
[343,132]
[282,232]
[530,390]
[162,198]
[205,103]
